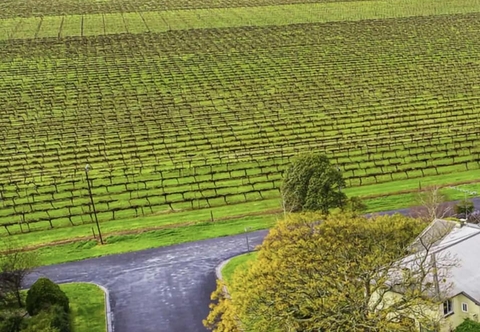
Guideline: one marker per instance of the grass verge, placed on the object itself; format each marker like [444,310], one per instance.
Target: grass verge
[87,307]
[134,242]
[238,262]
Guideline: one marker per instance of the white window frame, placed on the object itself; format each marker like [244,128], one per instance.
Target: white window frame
[447,307]
[464,307]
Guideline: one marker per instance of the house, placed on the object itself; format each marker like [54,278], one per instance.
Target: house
[463,243]
[460,243]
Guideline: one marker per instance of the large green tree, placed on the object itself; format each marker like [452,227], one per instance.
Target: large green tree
[334,273]
[311,183]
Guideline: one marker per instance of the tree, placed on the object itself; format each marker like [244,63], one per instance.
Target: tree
[222,317]
[311,183]
[14,267]
[45,294]
[431,204]
[337,273]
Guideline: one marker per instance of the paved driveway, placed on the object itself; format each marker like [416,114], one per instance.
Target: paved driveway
[163,289]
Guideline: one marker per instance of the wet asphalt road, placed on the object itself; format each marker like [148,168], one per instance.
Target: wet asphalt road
[156,290]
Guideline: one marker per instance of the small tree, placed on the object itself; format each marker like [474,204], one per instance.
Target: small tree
[311,183]
[14,267]
[464,208]
[431,204]
[44,294]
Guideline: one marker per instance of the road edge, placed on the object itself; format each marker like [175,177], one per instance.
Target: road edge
[218,269]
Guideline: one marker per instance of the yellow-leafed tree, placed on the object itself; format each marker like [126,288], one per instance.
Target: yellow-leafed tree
[335,273]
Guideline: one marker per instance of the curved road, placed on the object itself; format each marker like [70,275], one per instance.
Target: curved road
[162,289]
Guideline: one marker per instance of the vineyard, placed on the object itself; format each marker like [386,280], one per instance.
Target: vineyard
[200,118]
[28,8]
[87,19]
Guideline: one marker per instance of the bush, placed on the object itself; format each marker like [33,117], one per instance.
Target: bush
[355,204]
[40,323]
[11,324]
[463,208]
[54,319]
[468,325]
[60,319]
[44,294]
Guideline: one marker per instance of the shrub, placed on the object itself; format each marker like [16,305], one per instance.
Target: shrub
[60,319]
[43,294]
[463,208]
[468,325]
[40,323]
[54,319]
[355,204]
[11,324]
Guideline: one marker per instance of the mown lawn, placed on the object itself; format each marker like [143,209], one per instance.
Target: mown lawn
[87,307]
[238,262]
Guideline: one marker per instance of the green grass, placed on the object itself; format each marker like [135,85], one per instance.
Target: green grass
[87,307]
[238,262]
[137,224]
[153,239]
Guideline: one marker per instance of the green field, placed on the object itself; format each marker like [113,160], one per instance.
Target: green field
[188,109]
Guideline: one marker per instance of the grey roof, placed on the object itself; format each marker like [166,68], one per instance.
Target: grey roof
[450,248]
[433,234]
[463,243]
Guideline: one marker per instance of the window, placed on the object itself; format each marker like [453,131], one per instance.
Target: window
[447,307]
[464,307]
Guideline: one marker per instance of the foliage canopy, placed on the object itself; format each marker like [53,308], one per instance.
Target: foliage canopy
[328,273]
[311,183]
[45,294]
